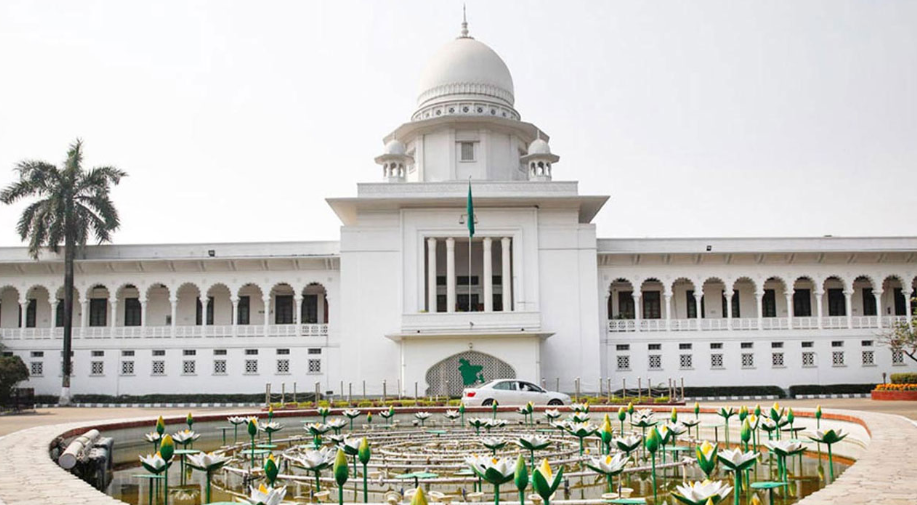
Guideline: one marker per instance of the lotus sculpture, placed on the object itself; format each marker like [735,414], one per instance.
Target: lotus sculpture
[496,471]
[706,458]
[829,438]
[533,443]
[738,462]
[702,492]
[609,466]
[351,414]
[545,481]
[209,463]
[313,461]
[263,495]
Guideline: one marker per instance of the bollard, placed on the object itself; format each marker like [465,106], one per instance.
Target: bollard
[682,389]
[399,388]
[447,395]
[342,390]
[267,395]
[350,393]
[318,392]
[611,394]
[283,393]
[383,390]
[624,388]
[576,385]
[364,389]
[601,387]
[558,385]
[415,391]
[639,389]
[294,391]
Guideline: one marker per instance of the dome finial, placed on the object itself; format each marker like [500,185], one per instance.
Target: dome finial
[464,23]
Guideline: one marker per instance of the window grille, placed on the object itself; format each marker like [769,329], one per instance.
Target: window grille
[808,359]
[127,368]
[97,368]
[283,366]
[685,361]
[748,360]
[251,366]
[869,358]
[315,366]
[624,362]
[655,362]
[159,368]
[837,358]
[777,359]
[187,367]
[716,361]
[219,367]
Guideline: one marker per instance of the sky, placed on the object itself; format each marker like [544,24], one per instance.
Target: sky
[235,120]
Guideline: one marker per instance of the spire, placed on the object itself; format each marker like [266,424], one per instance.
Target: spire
[464,23]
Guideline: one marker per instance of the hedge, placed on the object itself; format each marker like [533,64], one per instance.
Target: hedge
[168,398]
[904,378]
[696,392]
[837,389]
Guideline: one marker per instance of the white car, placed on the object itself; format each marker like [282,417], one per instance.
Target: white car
[511,392]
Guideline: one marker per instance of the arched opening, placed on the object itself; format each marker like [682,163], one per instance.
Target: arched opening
[158,305]
[314,309]
[684,305]
[803,289]
[465,369]
[773,303]
[837,301]
[895,296]
[75,316]
[190,309]
[251,308]
[220,299]
[651,299]
[621,300]
[38,308]
[713,301]
[97,297]
[282,294]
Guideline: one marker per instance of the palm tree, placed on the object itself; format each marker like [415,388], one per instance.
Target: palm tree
[71,205]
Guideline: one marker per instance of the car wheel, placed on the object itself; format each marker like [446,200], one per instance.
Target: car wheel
[487,403]
[555,402]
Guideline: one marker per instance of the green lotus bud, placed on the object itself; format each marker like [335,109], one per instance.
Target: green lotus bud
[630,408]
[522,474]
[364,452]
[160,426]
[271,470]
[270,411]
[743,413]
[167,447]
[189,420]
[652,441]
[758,410]
[674,416]
[696,408]
[419,497]
[252,427]
[462,408]
[341,470]
[790,417]
[369,417]
[818,412]
[746,431]
[622,414]
[544,481]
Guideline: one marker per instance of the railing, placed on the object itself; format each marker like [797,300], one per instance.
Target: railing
[865,321]
[745,323]
[774,323]
[889,321]
[621,325]
[683,325]
[133,332]
[834,322]
[714,324]
[652,325]
[805,323]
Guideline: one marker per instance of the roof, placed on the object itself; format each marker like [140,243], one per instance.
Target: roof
[756,245]
[145,252]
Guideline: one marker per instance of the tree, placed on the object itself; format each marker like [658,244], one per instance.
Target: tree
[71,205]
[12,372]
[902,337]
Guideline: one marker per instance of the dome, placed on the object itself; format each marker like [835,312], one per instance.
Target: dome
[539,146]
[394,146]
[465,68]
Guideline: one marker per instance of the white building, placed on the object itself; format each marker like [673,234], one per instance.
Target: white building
[389,301]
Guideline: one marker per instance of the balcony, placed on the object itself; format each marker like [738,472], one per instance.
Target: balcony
[745,324]
[135,332]
[470,324]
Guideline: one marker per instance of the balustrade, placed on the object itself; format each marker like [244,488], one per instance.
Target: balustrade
[133,332]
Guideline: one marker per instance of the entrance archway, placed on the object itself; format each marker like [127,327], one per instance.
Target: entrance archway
[465,369]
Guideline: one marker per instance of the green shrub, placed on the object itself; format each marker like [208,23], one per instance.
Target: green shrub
[454,403]
[12,372]
[364,404]
[904,378]
[837,389]
[739,391]
[661,399]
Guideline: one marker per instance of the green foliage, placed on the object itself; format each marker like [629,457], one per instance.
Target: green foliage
[735,391]
[661,399]
[364,404]
[902,337]
[838,389]
[12,372]
[904,378]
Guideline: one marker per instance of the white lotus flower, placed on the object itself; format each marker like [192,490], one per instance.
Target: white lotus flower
[493,443]
[533,442]
[552,413]
[153,463]
[207,461]
[185,436]
[735,459]
[493,470]
[628,443]
[336,424]
[270,427]
[237,420]
[690,423]
[452,414]
[267,496]
[699,492]
[495,423]
[608,465]
[152,436]
[785,447]
[422,415]
[350,445]
[313,460]
[677,428]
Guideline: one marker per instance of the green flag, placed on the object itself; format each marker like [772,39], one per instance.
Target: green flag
[470,212]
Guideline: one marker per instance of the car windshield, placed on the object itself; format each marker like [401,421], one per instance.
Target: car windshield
[494,384]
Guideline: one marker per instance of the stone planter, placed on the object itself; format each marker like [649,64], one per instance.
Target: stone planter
[894,395]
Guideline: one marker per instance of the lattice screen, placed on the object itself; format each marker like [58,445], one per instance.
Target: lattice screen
[474,366]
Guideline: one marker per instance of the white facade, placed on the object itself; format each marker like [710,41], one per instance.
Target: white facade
[389,303]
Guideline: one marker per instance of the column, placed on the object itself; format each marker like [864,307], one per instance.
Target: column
[728,296]
[431,275]
[508,275]
[297,311]
[113,316]
[84,314]
[488,276]
[174,302]
[53,317]
[878,295]
[848,305]
[23,310]
[450,274]
[759,298]
[789,308]
[267,314]
[638,309]
[698,299]
[203,299]
[234,317]
[907,304]
[668,311]
[143,313]
[819,307]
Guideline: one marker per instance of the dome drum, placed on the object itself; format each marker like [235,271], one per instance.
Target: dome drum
[465,108]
